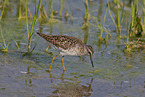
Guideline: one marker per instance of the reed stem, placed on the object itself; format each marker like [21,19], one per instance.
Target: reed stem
[102,28]
[3,7]
[118,19]
[134,9]
[61,8]
[51,4]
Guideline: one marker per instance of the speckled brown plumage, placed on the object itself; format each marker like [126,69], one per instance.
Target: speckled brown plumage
[62,41]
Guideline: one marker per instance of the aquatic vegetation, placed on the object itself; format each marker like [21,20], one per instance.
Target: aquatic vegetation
[61,8]
[134,45]
[86,18]
[101,27]
[51,17]
[136,28]
[29,34]
[3,6]
[119,17]
[51,4]
[4,45]
[43,14]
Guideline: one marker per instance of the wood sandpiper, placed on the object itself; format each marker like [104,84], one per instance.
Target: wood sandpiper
[68,45]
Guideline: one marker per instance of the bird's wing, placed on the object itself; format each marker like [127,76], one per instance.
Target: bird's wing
[61,41]
[64,42]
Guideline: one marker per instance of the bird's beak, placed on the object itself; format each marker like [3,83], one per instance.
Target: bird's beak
[91,60]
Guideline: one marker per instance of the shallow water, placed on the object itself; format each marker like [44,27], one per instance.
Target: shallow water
[116,73]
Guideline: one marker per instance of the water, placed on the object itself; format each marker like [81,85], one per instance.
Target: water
[116,73]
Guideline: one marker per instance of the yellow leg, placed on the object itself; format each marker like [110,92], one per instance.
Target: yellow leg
[63,63]
[52,62]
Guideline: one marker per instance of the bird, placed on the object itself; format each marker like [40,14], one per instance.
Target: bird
[67,45]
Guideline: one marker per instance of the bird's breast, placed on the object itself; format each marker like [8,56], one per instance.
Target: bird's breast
[74,51]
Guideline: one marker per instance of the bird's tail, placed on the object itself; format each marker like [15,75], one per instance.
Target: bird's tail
[44,36]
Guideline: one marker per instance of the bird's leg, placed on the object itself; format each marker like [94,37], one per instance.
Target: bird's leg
[63,63]
[52,62]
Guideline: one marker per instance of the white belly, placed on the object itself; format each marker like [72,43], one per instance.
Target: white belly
[73,52]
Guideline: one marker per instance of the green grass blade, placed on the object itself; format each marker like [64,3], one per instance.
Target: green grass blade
[3,7]
[122,13]
[33,23]
[2,46]
[27,24]
[17,44]
[51,4]
[34,18]
[102,28]
[3,37]
[111,14]
[61,7]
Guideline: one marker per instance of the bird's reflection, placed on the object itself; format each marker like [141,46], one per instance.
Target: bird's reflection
[66,88]
[71,89]
[51,77]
